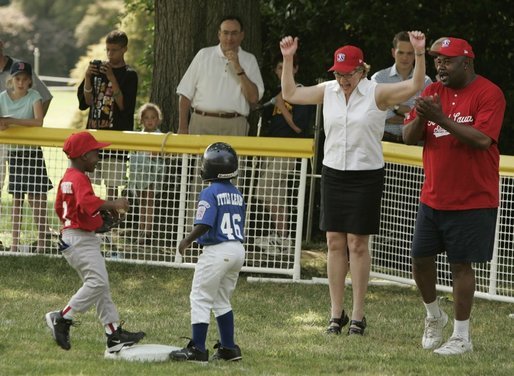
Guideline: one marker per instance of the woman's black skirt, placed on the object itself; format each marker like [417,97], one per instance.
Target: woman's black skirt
[27,171]
[350,200]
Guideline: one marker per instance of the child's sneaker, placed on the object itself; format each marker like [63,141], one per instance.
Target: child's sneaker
[60,328]
[121,338]
[190,353]
[225,353]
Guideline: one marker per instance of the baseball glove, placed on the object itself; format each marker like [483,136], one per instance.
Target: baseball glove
[110,220]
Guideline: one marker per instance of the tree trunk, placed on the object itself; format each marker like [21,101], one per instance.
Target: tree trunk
[182,27]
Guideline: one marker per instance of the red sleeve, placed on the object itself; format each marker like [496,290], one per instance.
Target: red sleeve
[87,201]
[491,108]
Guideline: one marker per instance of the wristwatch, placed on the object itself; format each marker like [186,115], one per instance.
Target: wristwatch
[395,110]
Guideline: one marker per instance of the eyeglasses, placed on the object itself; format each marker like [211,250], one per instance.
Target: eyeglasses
[227,33]
[346,76]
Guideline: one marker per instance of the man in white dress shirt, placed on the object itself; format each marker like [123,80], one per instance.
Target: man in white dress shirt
[220,86]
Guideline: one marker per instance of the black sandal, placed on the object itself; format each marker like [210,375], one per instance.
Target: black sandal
[357,327]
[336,325]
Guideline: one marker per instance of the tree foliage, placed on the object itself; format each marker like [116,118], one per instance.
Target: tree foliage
[60,29]
[64,13]
[324,25]
[97,21]
[161,51]
[16,32]
[22,34]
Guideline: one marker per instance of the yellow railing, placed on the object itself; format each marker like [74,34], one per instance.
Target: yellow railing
[166,143]
[412,155]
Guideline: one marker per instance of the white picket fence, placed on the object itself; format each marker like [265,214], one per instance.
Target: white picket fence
[262,161]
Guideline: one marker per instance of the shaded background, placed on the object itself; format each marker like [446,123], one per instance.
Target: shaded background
[70,33]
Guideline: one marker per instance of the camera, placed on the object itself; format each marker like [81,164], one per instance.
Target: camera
[97,63]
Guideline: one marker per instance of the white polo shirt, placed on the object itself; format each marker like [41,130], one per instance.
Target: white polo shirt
[353,130]
[212,85]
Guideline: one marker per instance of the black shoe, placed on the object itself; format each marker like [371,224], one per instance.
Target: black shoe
[122,338]
[225,353]
[60,328]
[190,353]
[335,325]
[357,327]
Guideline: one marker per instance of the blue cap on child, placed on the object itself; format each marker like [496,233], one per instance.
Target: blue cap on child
[21,67]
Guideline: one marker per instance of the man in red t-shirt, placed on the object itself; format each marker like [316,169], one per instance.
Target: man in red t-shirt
[459,119]
[78,209]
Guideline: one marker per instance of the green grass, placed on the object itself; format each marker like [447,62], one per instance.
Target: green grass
[278,326]
[63,108]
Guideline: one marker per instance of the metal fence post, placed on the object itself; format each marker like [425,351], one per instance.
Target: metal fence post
[36,60]
[314,164]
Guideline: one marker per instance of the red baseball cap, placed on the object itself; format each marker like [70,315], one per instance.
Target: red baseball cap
[347,58]
[453,47]
[80,143]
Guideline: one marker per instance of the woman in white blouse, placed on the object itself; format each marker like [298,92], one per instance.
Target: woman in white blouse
[352,180]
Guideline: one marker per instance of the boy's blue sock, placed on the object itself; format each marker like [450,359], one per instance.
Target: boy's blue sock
[226,329]
[200,335]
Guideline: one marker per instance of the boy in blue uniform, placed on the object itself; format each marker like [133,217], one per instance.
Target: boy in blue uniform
[219,227]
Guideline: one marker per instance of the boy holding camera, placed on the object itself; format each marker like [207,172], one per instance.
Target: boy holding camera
[109,90]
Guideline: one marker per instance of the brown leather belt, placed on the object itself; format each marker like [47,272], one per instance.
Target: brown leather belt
[225,115]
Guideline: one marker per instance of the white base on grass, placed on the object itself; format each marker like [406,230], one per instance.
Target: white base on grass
[143,353]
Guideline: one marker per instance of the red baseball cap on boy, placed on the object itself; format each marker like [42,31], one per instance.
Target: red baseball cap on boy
[80,143]
[453,47]
[347,58]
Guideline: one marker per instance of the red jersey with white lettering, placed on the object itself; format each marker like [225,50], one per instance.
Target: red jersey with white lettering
[76,204]
[458,176]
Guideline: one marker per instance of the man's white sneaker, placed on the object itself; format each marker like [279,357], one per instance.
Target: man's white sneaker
[433,334]
[455,346]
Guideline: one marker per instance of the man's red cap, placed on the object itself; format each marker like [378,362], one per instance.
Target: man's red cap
[453,47]
[347,58]
[80,143]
